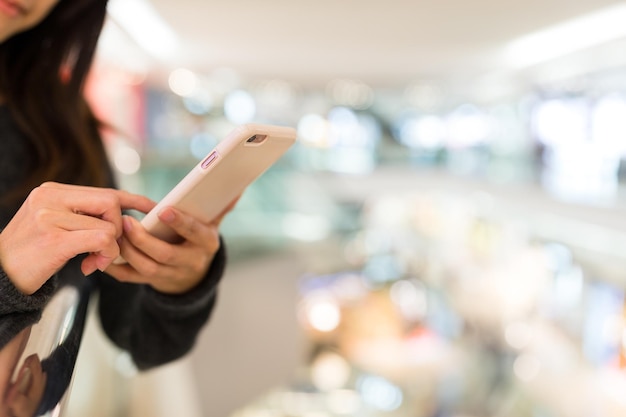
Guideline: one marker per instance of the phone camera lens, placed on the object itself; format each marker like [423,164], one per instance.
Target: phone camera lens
[256,139]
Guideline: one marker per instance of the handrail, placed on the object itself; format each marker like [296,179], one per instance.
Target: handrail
[596,234]
[37,363]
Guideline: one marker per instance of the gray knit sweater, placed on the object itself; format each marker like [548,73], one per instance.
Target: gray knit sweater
[153,327]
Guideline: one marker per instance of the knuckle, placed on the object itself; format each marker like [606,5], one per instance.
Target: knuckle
[188,224]
[110,229]
[100,239]
[124,194]
[110,199]
[178,280]
[167,257]
[198,265]
[37,194]
[42,216]
[213,245]
[103,238]
[149,269]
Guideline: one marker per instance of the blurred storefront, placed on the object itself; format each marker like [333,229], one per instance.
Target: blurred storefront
[461,303]
[463,257]
[464,260]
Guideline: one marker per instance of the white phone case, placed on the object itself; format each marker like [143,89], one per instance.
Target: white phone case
[223,174]
[240,158]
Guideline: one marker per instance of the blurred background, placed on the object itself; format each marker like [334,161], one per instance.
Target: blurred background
[446,238]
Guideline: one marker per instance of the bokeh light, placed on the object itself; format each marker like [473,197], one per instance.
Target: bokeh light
[126,160]
[321,312]
[380,393]
[330,371]
[201,144]
[183,82]
[239,107]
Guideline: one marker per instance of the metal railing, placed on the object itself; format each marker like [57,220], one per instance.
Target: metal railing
[37,361]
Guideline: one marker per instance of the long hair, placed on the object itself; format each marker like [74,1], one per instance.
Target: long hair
[42,75]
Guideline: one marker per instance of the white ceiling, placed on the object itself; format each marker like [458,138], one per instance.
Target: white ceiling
[383,43]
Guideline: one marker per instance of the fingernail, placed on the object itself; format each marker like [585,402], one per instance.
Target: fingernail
[167,215]
[103,263]
[90,270]
[24,382]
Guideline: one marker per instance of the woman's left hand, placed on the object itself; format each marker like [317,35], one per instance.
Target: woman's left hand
[168,268]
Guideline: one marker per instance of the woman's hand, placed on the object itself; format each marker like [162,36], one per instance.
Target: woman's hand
[25,394]
[58,222]
[169,268]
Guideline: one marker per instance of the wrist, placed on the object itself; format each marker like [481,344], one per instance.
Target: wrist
[12,274]
[179,286]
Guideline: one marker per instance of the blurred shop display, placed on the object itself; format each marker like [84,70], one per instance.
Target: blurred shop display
[446,304]
[569,137]
[584,142]
[450,306]
[452,310]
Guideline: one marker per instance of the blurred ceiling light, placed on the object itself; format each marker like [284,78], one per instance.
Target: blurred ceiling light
[330,371]
[561,122]
[323,314]
[426,132]
[114,47]
[126,160]
[183,82]
[467,126]
[590,30]
[608,124]
[239,107]
[306,227]
[380,393]
[313,130]
[145,26]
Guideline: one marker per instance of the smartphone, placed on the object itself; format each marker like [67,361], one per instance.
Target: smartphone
[222,175]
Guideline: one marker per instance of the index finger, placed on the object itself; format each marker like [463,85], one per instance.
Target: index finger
[125,201]
[130,201]
[106,203]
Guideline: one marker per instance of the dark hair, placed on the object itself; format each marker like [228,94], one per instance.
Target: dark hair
[42,75]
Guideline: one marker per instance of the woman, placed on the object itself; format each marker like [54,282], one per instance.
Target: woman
[60,217]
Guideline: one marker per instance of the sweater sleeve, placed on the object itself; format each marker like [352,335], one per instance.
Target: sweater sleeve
[157,328]
[13,301]
[18,310]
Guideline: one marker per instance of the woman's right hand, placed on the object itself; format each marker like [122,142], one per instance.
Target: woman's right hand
[58,222]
